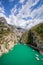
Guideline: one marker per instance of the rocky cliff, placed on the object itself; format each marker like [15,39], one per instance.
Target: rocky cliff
[34,37]
[9,36]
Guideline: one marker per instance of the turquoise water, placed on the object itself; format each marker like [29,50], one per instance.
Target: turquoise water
[21,55]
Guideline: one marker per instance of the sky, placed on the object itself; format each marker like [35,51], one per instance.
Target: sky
[22,13]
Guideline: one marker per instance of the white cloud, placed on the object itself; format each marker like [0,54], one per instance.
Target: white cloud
[37,13]
[21,1]
[11,0]
[2,9]
[13,10]
[12,20]
[35,2]
[24,12]
[33,23]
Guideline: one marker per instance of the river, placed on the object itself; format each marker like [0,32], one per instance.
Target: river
[21,55]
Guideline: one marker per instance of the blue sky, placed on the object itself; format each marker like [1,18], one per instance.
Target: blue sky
[8,5]
[20,12]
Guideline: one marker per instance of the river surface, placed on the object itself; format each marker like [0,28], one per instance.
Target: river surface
[21,55]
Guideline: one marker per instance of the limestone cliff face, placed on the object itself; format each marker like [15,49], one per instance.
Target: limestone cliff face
[6,36]
[9,36]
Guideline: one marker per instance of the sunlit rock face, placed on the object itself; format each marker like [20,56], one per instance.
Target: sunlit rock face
[9,36]
[6,37]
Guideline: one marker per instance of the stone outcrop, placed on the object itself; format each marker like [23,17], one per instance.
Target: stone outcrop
[9,36]
[6,37]
[34,37]
[37,36]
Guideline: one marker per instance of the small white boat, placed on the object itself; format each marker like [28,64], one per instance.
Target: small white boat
[37,58]
[36,54]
